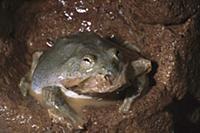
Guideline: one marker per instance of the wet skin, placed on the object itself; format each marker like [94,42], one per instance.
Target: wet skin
[85,66]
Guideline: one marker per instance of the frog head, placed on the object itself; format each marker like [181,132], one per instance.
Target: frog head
[95,69]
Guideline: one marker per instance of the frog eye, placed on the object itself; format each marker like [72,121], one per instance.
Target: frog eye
[88,61]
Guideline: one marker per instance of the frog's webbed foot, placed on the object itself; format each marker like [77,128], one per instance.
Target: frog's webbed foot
[141,68]
[54,99]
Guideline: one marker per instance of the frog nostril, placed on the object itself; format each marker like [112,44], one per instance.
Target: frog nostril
[107,77]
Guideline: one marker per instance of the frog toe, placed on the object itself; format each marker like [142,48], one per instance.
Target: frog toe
[24,85]
[76,122]
[141,66]
[124,108]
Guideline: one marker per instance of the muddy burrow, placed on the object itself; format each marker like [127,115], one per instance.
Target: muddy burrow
[166,31]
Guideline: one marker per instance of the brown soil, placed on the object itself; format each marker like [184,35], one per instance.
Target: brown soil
[167,32]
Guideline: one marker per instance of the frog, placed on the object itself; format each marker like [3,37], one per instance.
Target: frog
[85,66]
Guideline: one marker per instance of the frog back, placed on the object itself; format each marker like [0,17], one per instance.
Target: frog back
[49,68]
[46,72]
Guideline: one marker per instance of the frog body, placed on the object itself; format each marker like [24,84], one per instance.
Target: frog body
[85,66]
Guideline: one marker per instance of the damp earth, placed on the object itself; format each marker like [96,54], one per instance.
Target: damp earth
[166,32]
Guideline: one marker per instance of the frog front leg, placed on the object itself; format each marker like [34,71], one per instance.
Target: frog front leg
[25,82]
[54,99]
[141,68]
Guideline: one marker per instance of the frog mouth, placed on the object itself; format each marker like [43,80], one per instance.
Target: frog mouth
[100,83]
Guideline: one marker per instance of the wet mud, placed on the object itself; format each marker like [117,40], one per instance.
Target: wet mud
[167,32]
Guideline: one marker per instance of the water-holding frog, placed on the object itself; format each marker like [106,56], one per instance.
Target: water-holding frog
[84,66]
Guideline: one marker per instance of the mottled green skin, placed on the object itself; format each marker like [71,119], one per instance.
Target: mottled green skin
[86,64]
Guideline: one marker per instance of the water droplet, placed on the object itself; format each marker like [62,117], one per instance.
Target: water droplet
[85,25]
[68,16]
[49,44]
[80,8]
[35,126]
[30,44]
[111,15]
[62,2]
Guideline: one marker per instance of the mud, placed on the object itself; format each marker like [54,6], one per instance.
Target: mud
[167,32]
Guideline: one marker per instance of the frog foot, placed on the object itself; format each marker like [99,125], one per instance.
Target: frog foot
[141,67]
[124,108]
[54,99]
[57,117]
